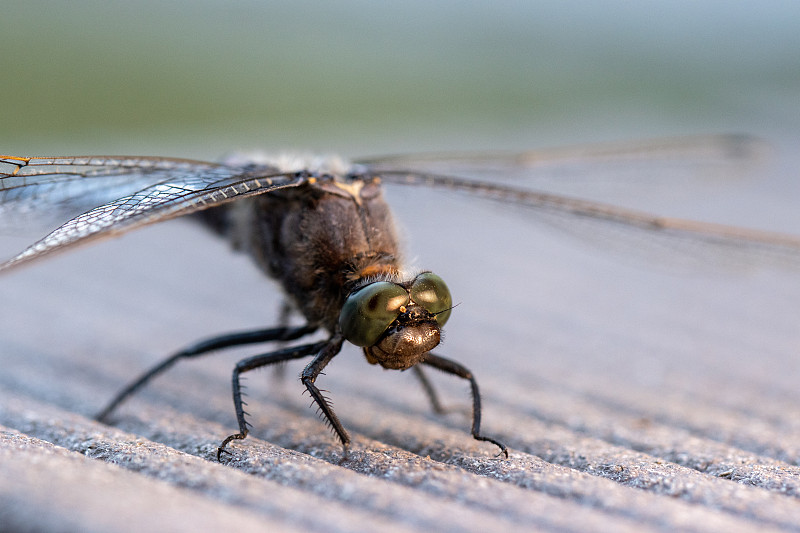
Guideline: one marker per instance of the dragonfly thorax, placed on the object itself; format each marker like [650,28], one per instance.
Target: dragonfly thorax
[315,239]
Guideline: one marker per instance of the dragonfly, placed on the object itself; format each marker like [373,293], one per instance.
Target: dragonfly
[321,227]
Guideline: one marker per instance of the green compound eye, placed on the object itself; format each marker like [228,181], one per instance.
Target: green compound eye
[368,312]
[431,292]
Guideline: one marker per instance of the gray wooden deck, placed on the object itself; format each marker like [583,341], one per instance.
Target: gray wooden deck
[632,399]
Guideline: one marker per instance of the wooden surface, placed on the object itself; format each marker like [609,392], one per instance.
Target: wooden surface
[632,398]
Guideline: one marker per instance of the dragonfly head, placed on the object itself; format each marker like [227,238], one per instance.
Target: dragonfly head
[397,323]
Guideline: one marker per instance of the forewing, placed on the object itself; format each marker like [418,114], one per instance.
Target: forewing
[585,186]
[663,240]
[39,191]
[116,194]
[602,172]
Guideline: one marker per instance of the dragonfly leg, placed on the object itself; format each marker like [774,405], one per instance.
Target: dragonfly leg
[309,376]
[429,390]
[259,361]
[202,348]
[451,367]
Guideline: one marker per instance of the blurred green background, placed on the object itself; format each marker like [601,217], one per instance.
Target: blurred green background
[203,78]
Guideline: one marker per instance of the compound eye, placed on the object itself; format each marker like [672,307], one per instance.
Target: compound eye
[368,312]
[431,292]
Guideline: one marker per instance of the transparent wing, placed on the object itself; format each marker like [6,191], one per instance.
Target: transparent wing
[40,190]
[603,172]
[117,194]
[586,185]
[680,242]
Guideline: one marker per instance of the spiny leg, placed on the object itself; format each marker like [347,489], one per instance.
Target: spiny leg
[451,367]
[202,348]
[259,361]
[429,390]
[309,376]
